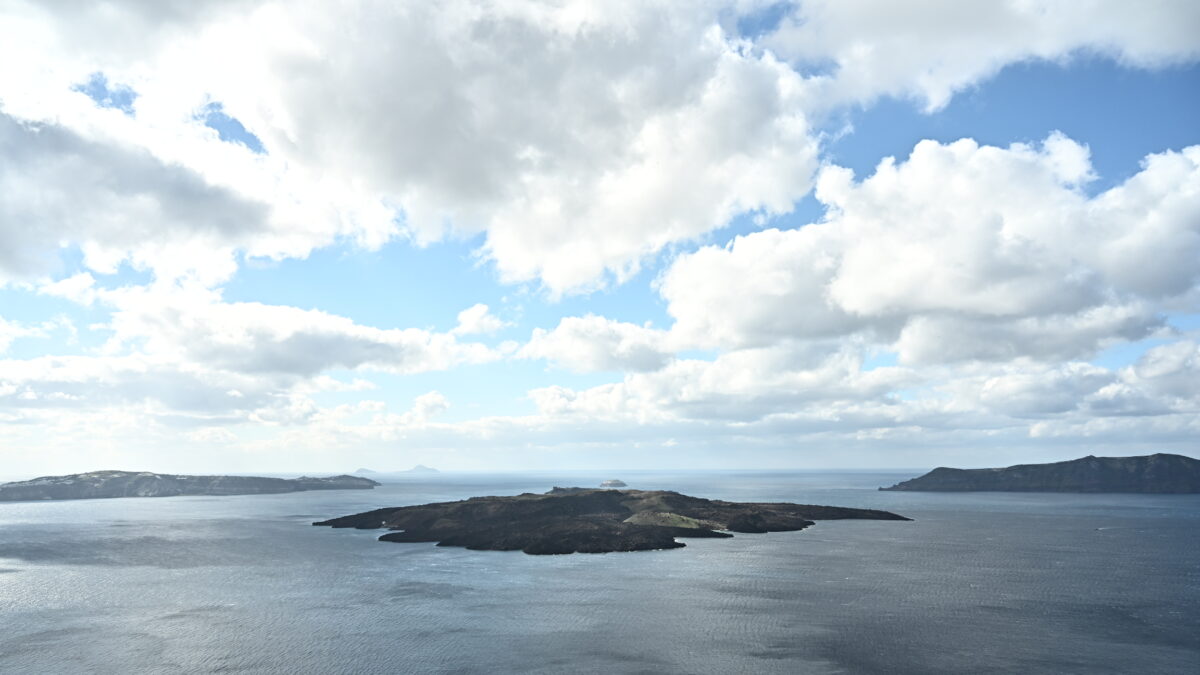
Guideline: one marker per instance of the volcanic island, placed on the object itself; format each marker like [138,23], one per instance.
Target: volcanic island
[585,520]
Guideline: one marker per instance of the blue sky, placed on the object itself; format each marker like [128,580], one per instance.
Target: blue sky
[664,237]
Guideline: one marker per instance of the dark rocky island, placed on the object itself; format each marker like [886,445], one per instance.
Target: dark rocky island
[583,520]
[1159,473]
[106,484]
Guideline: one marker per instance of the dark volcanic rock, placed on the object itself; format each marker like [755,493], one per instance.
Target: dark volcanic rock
[1158,473]
[106,484]
[582,520]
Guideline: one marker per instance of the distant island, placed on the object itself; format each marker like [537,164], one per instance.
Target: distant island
[421,468]
[418,469]
[108,484]
[1158,473]
[614,483]
[585,520]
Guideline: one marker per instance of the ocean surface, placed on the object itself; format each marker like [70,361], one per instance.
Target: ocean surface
[977,583]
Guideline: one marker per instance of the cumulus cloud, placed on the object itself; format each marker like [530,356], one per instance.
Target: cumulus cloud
[930,49]
[193,324]
[740,386]
[477,319]
[137,382]
[425,407]
[990,268]
[575,141]
[636,125]
[1171,370]
[774,397]
[115,202]
[12,330]
[182,357]
[579,138]
[593,343]
[1041,392]
[960,252]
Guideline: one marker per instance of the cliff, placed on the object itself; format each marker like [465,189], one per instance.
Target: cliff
[1159,473]
[107,484]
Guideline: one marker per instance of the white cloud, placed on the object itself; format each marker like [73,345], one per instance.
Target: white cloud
[425,407]
[594,343]
[476,320]
[580,138]
[135,382]
[933,339]
[1169,370]
[931,49]
[961,252]
[192,324]
[116,202]
[1039,392]
[577,141]
[180,357]
[12,330]
[79,288]
[738,386]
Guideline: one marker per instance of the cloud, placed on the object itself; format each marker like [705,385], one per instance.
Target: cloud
[78,288]
[475,320]
[1040,392]
[180,357]
[930,49]
[194,325]
[1170,370]
[738,386]
[782,399]
[137,382]
[637,126]
[576,142]
[960,252]
[13,330]
[425,407]
[593,343]
[115,202]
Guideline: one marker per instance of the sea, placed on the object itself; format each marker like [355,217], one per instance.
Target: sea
[976,583]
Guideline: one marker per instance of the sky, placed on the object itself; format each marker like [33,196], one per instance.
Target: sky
[312,236]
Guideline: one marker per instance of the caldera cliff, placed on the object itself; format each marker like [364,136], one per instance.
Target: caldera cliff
[1159,473]
[108,484]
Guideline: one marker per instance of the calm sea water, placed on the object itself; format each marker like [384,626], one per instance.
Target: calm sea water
[977,583]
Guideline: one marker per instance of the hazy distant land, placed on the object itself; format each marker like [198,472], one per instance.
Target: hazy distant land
[1158,473]
[419,469]
[583,520]
[108,484]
